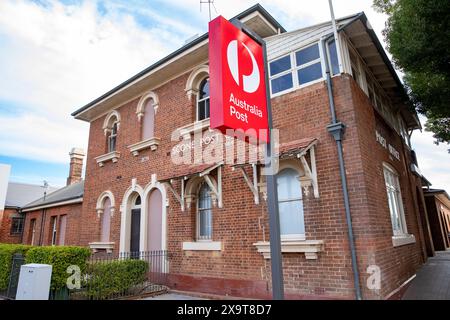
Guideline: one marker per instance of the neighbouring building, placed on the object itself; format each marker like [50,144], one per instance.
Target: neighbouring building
[54,219]
[16,196]
[438,210]
[212,218]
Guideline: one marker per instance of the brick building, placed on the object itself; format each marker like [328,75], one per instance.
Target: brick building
[438,210]
[13,196]
[212,217]
[54,219]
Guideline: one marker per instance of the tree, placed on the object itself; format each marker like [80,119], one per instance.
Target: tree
[417,36]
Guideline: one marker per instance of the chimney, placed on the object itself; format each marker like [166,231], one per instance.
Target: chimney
[76,165]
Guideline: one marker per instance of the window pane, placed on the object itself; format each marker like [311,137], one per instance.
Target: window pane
[280,65]
[282,83]
[334,63]
[310,73]
[288,185]
[205,224]
[307,55]
[204,89]
[291,217]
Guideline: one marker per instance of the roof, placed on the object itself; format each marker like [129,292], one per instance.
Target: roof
[360,33]
[73,192]
[439,193]
[19,194]
[256,8]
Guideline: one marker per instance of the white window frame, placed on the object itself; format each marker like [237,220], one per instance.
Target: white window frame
[396,189]
[33,231]
[197,236]
[297,236]
[54,230]
[198,100]
[294,68]
[113,135]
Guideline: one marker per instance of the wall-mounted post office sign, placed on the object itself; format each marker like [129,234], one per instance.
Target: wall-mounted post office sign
[237,81]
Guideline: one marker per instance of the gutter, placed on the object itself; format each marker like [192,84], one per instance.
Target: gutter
[53,204]
[336,129]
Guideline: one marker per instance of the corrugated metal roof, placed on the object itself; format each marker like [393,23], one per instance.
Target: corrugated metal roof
[70,192]
[19,194]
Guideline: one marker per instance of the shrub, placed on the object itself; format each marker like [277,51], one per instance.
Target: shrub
[107,278]
[60,258]
[7,252]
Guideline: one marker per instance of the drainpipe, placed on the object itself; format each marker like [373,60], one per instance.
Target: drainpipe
[336,129]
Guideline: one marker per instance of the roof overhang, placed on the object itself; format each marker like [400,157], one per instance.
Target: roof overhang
[366,42]
[53,204]
[175,64]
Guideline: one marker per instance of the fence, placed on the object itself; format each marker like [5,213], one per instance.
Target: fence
[128,275]
[17,261]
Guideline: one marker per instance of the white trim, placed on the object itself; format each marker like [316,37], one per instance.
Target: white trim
[310,248]
[125,217]
[54,204]
[195,78]
[144,217]
[151,143]
[97,246]
[109,121]
[402,240]
[101,200]
[140,110]
[202,246]
[197,126]
[110,156]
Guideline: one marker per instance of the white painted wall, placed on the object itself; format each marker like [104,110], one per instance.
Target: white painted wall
[4,177]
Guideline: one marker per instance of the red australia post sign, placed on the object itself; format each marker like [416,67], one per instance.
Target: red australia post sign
[237,81]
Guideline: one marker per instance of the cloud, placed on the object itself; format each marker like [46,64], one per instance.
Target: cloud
[60,57]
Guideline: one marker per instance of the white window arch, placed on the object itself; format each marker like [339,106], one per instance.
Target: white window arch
[146,112]
[290,204]
[111,127]
[202,103]
[105,210]
[194,80]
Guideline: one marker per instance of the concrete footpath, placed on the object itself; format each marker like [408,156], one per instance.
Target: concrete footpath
[432,281]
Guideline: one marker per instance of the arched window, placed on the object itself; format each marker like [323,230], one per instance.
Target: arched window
[290,205]
[135,232]
[204,213]
[203,100]
[112,138]
[106,220]
[148,124]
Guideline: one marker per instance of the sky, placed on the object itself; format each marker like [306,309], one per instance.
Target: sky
[56,56]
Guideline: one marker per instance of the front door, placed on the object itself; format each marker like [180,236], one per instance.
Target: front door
[135,230]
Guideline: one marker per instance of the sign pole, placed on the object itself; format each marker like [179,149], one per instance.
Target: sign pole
[271,182]
[272,203]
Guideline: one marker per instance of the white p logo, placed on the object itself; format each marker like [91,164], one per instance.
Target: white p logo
[251,81]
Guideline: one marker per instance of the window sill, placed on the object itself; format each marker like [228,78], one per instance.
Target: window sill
[309,247]
[197,126]
[402,240]
[151,143]
[202,246]
[111,156]
[99,246]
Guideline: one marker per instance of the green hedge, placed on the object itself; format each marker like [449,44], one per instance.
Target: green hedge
[105,279]
[6,254]
[60,258]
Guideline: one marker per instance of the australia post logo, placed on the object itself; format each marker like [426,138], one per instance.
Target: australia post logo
[250,83]
[237,81]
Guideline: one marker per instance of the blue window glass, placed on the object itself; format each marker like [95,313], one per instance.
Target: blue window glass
[334,63]
[282,83]
[310,73]
[280,65]
[307,55]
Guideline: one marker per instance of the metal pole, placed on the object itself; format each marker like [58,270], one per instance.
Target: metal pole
[272,203]
[336,38]
[271,181]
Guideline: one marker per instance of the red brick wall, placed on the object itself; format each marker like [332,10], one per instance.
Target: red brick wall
[238,269]
[43,235]
[5,227]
